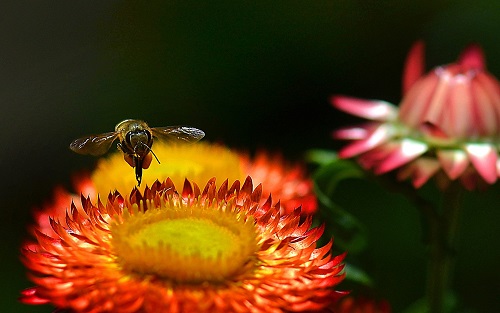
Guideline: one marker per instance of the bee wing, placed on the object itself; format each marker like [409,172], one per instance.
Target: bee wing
[94,144]
[178,133]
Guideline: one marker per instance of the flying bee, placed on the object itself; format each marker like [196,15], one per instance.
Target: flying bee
[135,141]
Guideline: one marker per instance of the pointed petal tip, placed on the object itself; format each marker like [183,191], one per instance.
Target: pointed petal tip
[407,151]
[378,137]
[423,176]
[472,57]
[419,171]
[414,65]
[351,133]
[453,162]
[340,101]
[377,110]
[484,159]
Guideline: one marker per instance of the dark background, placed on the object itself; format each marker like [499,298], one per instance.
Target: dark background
[250,74]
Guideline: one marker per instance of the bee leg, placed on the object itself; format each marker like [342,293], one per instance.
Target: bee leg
[146,162]
[129,159]
[138,170]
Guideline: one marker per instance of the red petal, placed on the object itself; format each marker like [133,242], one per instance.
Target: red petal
[414,65]
[187,189]
[472,58]
[247,187]
[222,193]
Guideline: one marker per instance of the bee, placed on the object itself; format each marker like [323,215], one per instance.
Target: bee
[135,141]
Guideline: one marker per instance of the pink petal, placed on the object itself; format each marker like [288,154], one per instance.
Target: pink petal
[432,130]
[351,133]
[382,134]
[373,157]
[484,158]
[485,111]
[472,58]
[407,151]
[458,118]
[356,132]
[414,65]
[370,109]
[492,89]
[416,103]
[420,171]
[498,167]
[454,162]
[436,109]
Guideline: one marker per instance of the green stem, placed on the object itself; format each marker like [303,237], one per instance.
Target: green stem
[443,229]
[440,232]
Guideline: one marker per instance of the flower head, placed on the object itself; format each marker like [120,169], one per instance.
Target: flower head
[448,123]
[200,162]
[61,199]
[192,250]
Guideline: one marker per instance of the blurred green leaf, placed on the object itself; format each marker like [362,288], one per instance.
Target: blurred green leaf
[348,231]
[357,275]
[321,157]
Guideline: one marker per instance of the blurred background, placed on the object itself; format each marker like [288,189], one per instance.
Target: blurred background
[251,75]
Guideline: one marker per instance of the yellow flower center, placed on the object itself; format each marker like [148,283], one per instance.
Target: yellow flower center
[198,162]
[185,243]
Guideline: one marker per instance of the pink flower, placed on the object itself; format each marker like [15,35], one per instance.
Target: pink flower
[448,123]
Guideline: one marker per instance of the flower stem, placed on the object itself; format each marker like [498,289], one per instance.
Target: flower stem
[440,232]
[443,229]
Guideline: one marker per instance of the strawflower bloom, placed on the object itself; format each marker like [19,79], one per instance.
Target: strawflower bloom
[196,250]
[61,199]
[448,124]
[200,162]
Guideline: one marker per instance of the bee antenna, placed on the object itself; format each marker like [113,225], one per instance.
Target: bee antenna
[154,155]
[150,150]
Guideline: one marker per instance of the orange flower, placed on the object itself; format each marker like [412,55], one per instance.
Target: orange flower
[61,200]
[216,250]
[284,181]
[200,162]
[448,123]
